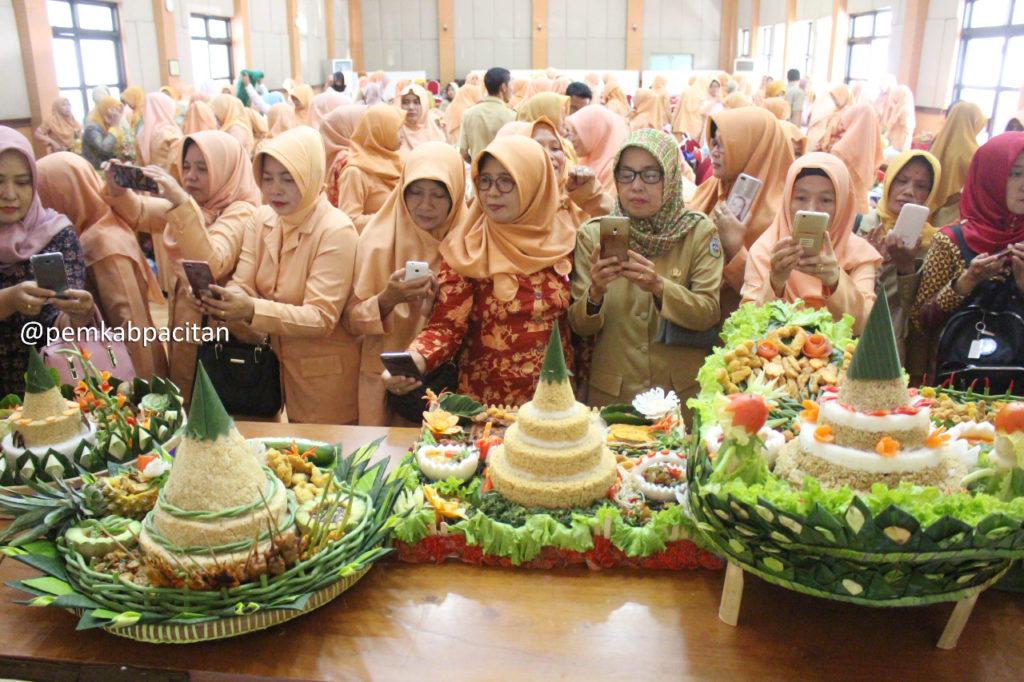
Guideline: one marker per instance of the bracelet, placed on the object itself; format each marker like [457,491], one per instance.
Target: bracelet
[591,301]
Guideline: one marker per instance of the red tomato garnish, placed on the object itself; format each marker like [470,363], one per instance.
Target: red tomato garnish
[906,410]
[1011,418]
[749,411]
[767,349]
[144,461]
[878,413]
[817,346]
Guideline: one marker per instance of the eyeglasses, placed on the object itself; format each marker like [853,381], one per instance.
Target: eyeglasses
[650,176]
[504,183]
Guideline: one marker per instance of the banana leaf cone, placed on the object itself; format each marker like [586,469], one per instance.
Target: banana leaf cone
[875,559]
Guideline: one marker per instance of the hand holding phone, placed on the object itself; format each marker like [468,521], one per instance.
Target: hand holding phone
[742,195]
[415,269]
[200,277]
[615,237]
[910,224]
[132,177]
[401,365]
[809,229]
[49,272]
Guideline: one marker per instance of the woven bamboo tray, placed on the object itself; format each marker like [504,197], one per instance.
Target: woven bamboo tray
[234,626]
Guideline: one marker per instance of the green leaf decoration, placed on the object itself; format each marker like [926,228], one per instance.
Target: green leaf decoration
[10,401]
[460,405]
[554,370]
[207,420]
[37,379]
[876,357]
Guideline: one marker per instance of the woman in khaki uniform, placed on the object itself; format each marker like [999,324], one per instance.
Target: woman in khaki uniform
[643,310]
[204,205]
[294,278]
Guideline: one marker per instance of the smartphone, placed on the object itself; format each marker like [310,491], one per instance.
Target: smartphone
[615,237]
[416,269]
[809,228]
[132,177]
[401,365]
[199,277]
[910,223]
[48,270]
[742,195]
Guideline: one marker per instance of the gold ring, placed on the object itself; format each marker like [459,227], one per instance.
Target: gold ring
[223,314]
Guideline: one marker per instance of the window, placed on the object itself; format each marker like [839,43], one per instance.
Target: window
[671,62]
[86,50]
[867,48]
[743,44]
[988,69]
[211,48]
[764,45]
[802,47]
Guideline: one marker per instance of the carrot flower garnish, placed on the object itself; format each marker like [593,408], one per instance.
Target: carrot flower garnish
[938,438]
[810,411]
[888,447]
[823,434]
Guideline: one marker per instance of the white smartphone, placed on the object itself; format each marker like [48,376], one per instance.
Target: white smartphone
[742,195]
[415,269]
[809,228]
[910,223]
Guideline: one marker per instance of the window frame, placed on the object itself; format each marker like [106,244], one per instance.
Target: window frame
[214,41]
[76,34]
[864,40]
[1006,31]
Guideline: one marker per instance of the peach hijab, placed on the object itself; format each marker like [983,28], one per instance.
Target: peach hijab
[301,152]
[650,110]
[687,118]
[280,117]
[425,128]
[519,86]
[754,144]
[860,147]
[199,116]
[372,141]
[337,129]
[955,146]
[480,248]
[325,103]
[68,184]
[614,98]
[392,236]
[60,127]
[600,132]
[157,113]
[231,113]
[851,250]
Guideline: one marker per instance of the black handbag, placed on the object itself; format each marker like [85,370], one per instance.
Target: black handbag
[247,376]
[672,334]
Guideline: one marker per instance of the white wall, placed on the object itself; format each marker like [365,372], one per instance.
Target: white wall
[673,27]
[312,40]
[141,59]
[401,35]
[341,46]
[934,85]
[591,40]
[491,33]
[14,103]
[268,32]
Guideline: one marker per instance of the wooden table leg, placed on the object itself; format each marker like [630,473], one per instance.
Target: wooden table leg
[957,621]
[732,595]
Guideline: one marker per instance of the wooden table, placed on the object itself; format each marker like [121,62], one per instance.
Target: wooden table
[458,622]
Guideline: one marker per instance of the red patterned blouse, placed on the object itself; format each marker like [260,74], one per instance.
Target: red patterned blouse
[331,184]
[499,345]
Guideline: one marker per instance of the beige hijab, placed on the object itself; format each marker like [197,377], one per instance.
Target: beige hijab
[425,128]
[372,142]
[481,248]
[337,129]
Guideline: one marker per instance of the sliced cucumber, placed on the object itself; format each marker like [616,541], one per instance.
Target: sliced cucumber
[308,513]
[99,537]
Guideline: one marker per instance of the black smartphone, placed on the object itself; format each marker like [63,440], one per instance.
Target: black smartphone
[199,277]
[132,177]
[401,365]
[49,272]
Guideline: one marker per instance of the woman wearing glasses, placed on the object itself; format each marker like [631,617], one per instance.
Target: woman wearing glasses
[503,281]
[648,311]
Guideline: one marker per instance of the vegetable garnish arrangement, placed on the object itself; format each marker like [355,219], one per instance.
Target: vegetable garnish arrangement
[873,502]
[635,519]
[57,430]
[153,553]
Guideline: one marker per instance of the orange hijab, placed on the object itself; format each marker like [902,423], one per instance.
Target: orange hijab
[68,184]
[199,116]
[258,123]
[860,147]
[687,118]
[754,144]
[560,85]
[899,124]
[280,117]
[851,250]
[337,131]
[774,89]
[229,111]
[954,147]
[736,100]
[303,108]
[481,248]
[325,103]
[425,128]
[372,142]
[392,237]
[549,105]
[134,97]
[301,152]
[600,132]
[779,107]
[467,96]
[615,99]
[650,112]
[62,128]
[568,209]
